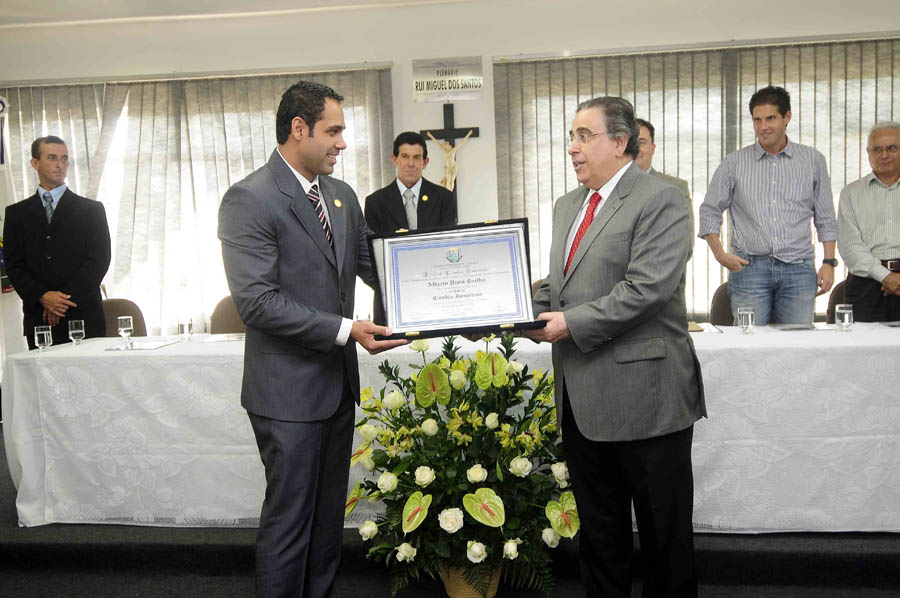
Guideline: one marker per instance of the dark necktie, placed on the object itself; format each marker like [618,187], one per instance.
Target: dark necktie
[582,228]
[48,205]
[313,196]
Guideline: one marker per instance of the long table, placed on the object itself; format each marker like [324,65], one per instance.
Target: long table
[803,432]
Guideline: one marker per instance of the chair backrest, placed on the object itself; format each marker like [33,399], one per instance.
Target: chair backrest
[535,286]
[225,318]
[720,309]
[113,308]
[834,299]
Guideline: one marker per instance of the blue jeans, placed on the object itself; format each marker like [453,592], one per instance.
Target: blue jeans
[777,291]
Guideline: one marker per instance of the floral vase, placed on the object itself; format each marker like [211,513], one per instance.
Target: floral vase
[456,586]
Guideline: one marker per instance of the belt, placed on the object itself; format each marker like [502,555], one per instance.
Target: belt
[892,265]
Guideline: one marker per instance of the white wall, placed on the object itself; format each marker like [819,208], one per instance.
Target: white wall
[488,28]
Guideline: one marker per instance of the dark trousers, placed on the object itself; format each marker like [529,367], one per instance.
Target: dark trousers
[654,473]
[298,547]
[869,302]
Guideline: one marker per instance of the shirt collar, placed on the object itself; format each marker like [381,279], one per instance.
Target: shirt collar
[302,179]
[55,193]
[416,189]
[871,178]
[606,190]
[787,150]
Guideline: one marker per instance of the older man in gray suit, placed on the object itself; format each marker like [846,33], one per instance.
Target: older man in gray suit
[628,385]
[293,242]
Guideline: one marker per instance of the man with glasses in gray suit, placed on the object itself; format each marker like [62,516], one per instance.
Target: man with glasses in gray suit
[628,385]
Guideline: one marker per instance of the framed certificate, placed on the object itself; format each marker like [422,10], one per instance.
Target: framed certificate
[466,279]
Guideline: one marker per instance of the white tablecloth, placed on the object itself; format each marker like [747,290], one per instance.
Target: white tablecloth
[803,432]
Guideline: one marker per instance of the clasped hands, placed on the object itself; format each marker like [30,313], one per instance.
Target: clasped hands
[55,304]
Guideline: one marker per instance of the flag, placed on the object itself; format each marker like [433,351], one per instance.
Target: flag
[11,338]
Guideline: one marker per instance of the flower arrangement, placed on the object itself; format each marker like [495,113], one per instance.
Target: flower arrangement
[465,457]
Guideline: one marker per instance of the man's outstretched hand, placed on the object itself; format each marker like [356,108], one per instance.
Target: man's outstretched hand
[364,331]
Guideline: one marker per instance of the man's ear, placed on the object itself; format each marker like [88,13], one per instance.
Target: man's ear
[299,129]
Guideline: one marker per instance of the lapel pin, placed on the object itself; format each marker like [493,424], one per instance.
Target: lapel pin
[424,198]
[337,203]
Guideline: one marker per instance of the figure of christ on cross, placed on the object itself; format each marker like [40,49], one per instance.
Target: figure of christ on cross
[446,139]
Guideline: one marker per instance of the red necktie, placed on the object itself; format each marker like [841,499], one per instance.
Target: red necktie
[582,228]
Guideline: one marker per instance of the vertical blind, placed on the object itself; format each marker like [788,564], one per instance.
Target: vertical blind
[698,103]
[160,155]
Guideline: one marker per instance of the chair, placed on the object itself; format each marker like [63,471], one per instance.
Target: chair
[113,308]
[225,318]
[720,309]
[834,299]
[535,286]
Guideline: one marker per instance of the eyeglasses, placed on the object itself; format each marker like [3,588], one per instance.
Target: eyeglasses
[583,136]
[880,149]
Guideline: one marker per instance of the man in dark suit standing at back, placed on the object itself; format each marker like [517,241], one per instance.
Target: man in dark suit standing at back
[628,387]
[293,242]
[410,201]
[57,249]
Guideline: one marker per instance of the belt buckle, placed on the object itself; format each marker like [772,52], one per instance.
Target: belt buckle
[893,265]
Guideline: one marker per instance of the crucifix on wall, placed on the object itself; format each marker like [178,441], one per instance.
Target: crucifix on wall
[446,139]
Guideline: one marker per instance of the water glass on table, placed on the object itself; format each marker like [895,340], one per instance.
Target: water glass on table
[126,327]
[185,328]
[745,319]
[76,331]
[843,317]
[43,337]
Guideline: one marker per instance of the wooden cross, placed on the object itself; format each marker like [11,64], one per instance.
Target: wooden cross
[450,133]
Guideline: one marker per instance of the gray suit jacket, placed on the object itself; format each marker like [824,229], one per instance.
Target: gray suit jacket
[629,367]
[292,289]
[681,185]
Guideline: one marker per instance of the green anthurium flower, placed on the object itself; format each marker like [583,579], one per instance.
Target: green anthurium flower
[353,498]
[491,370]
[415,510]
[563,515]
[432,384]
[360,453]
[485,507]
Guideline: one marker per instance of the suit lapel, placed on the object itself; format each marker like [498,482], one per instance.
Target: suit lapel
[425,210]
[36,207]
[301,207]
[338,214]
[395,206]
[63,206]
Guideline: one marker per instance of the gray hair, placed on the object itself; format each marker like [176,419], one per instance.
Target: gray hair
[619,115]
[884,124]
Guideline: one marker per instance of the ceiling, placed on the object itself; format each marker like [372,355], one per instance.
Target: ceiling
[25,13]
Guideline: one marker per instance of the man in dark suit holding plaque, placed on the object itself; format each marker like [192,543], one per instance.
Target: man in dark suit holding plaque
[628,386]
[293,242]
[410,202]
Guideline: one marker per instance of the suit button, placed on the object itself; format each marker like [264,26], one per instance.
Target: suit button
[343,296]
[562,303]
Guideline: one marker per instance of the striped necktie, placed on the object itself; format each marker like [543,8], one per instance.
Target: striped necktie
[48,205]
[313,196]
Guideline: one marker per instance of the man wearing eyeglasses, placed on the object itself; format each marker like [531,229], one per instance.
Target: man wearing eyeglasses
[869,230]
[628,385]
[771,190]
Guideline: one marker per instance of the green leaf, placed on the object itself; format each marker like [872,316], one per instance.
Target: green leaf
[499,472]
[432,384]
[485,507]
[563,515]
[491,370]
[415,510]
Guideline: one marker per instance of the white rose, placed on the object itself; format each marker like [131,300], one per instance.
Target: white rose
[368,463]
[492,420]
[420,346]
[560,473]
[368,530]
[405,552]
[514,367]
[511,549]
[520,466]
[387,482]
[476,474]
[451,520]
[457,379]
[476,551]
[394,400]
[550,537]
[368,432]
[424,475]
[430,427]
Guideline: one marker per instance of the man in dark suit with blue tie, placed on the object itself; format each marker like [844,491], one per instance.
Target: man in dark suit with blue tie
[293,242]
[57,249]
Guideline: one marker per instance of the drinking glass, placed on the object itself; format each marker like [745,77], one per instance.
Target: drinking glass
[843,316]
[745,319]
[126,327]
[76,331]
[43,337]
[185,328]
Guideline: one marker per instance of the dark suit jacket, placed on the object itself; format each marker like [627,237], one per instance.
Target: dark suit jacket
[291,290]
[385,212]
[629,367]
[70,254]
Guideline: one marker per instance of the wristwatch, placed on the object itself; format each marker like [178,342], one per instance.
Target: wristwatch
[831,262]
